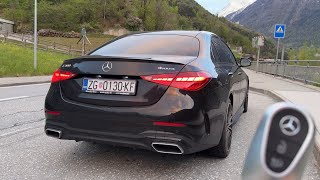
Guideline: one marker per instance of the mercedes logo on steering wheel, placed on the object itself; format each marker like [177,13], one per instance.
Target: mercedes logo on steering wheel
[107,66]
[290,125]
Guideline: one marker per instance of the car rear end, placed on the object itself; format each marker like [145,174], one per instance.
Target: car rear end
[144,100]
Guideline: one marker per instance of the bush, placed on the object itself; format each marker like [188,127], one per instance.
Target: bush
[134,23]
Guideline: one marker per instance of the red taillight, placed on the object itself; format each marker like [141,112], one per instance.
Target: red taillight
[55,113]
[190,81]
[164,79]
[168,124]
[60,75]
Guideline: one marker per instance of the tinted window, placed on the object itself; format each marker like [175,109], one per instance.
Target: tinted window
[223,51]
[153,45]
[214,53]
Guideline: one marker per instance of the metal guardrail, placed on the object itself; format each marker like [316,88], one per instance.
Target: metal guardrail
[307,71]
[25,40]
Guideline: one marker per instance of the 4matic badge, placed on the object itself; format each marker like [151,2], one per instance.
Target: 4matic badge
[166,68]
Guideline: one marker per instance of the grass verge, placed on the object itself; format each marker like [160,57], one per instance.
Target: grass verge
[95,39]
[18,61]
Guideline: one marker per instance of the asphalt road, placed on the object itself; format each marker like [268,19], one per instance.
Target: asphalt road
[27,153]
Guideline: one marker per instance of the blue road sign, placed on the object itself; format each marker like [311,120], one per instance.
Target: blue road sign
[280,31]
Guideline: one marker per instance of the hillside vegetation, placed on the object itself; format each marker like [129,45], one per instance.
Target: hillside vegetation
[134,15]
[305,53]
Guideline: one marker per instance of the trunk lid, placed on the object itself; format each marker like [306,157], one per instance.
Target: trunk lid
[119,68]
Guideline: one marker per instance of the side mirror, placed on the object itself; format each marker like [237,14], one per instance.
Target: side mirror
[245,62]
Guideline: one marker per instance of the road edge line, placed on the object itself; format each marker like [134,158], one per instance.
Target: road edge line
[279,98]
[24,83]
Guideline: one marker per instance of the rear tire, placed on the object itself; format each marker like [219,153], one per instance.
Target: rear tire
[222,150]
[246,104]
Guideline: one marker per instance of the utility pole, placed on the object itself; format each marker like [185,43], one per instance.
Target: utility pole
[104,9]
[258,58]
[282,54]
[35,38]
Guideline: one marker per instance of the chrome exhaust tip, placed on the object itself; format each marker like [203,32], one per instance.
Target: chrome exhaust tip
[167,148]
[53,133]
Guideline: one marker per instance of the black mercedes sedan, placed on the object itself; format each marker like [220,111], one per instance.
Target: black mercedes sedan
[175,92]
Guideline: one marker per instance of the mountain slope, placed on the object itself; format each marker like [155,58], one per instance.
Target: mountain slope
[300,16]
[235,6]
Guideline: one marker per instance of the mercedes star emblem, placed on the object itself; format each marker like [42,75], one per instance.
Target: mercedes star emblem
[290,125]
[107,66]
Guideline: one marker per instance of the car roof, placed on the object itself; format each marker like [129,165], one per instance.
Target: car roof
[181,33]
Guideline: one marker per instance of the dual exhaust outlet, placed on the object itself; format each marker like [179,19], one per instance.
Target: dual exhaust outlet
[167,148]
[160,147]
[53,133]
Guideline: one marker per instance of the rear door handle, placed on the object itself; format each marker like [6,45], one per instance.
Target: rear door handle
[239,73]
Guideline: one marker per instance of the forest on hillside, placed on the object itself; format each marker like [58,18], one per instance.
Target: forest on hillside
[134,15]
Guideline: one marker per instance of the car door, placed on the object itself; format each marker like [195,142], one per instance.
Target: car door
[227,61]
[244,85]
[242,77]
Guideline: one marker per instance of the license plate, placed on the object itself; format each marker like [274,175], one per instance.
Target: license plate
[108,86]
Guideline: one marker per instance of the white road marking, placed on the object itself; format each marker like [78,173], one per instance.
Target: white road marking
[24,85]
[13,98]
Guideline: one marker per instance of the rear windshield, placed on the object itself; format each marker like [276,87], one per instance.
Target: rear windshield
[172,45]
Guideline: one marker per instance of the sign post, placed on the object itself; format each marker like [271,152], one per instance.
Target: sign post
[258,42]
[279,33]
[83,38]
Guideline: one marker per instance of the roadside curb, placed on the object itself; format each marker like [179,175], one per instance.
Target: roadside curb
[24,83]
[279,98]
[272,94]
[290,80]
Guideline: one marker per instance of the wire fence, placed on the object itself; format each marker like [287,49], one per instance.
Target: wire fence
[307,71]
[26,40]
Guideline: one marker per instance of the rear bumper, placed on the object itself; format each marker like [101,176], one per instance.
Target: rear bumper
[143,140]
[133,126]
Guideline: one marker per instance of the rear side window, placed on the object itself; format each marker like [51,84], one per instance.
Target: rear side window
[173,45]
[222,50]
[214,53]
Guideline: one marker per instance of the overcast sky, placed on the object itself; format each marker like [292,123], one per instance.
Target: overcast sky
[213,6]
